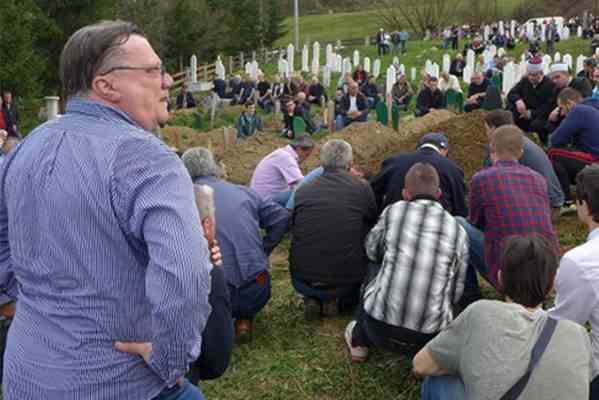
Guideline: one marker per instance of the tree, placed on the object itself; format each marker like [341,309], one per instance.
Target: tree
[274,23]
[419,15]
[243,20]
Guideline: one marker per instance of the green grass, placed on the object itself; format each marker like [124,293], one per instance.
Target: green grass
[328,28]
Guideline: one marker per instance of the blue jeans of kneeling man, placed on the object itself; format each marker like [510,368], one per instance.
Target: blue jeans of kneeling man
[341,121]
[183,391]
[347,296]
[446,387]
[248,299]
[476,259]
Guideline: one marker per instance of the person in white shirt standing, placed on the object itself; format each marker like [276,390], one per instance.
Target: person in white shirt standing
[577,281]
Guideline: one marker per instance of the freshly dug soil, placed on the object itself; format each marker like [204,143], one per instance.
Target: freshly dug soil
[183,138]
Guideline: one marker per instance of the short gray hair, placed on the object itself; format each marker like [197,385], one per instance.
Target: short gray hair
[199,162]
[336,155]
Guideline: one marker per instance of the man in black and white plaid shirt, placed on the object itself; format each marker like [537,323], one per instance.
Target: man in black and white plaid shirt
[423,252]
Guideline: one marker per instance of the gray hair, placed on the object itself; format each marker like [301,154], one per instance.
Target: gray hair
[199,162]
[90,51]
[336,155]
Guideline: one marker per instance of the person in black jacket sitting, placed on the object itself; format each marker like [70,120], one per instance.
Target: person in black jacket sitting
[354,107]
[316,93]
[532,100]
[457,66]
[430,98]
[371,91]
[476,91]
[185,98]
[330,219]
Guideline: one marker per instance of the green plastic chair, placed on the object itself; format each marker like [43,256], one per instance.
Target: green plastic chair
[381,113]
[299,126]
[455,100]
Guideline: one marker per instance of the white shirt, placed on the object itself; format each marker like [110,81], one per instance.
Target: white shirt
[577,290]
[353,106]
[452,84]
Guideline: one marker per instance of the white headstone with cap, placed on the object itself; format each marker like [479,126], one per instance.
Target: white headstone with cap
[508,77]
[580,63]
[194,68]
[391,78]
[291,57]
[446,63]
[356,58]
[305,59]
[367,64]
[376,69]
[568,61]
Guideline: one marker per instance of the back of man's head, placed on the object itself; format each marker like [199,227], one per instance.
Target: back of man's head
[568,94]
[507,142]
[422,179]
[528,268]
[336,155]
[587,190]
[498,118]
[199,162]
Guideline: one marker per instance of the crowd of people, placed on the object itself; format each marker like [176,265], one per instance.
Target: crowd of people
[119,280]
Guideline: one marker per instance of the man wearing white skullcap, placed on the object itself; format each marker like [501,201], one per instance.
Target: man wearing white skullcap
[532,100]
[561,77]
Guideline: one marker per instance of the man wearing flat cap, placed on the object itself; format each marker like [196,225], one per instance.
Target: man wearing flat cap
[533,99]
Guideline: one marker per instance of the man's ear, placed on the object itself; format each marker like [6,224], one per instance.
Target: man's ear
[405,193]
[106,88]
[438,194]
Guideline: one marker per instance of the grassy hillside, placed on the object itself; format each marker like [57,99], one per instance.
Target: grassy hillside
[331,27]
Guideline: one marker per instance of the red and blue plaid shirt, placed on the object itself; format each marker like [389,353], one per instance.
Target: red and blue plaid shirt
[509,199]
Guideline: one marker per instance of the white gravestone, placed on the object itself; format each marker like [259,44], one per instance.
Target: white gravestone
[493,50]
[513,28]
[347,67]
[435,70]
[568,61]
[557,57]
[428,65]
[470,59]
[326,76]
[356,58]
[579,32]
[546,64]
[194,69]
[305,59]
[284,68]
[486,33]
[395,60]
[467,74]
[254,70]
[508,77]
[376,69]
[247,68]
[391,78]
[367,64]
[500,52]
[402,69]
[330,55]
[565,33]
[413,74]
[316,54]
[446,63]
[580,63]
[315,66]
[291,57]
[338,63]
[501,28]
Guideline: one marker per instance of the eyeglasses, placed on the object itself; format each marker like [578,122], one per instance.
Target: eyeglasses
[148,70]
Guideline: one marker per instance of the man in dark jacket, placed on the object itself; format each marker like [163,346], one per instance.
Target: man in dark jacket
[432,148]
[560,75]
[371,91]
[457,66]
[316,93]
[11,114]
[476,91]
[185,98]
[430,98]
[331,218]
[354,108]
[532,100]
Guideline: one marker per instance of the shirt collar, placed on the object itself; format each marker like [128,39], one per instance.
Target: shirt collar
[506,163]
[291,151]
[594,234]
[80,105]
[426,198]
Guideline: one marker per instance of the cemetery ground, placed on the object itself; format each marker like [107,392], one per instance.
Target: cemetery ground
[292,359]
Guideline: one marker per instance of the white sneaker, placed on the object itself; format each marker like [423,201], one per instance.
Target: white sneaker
[358,354]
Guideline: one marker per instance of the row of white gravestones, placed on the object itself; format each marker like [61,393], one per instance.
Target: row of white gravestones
[391,78]
[376,69]
[194,69]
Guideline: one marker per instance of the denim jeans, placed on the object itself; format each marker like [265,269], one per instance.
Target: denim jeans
[183,391]
[347,296]
[248,300]
[446,387]
[476,260]
[281,198]
[342,121]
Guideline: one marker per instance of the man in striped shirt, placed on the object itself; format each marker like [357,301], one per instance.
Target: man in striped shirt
[424,256]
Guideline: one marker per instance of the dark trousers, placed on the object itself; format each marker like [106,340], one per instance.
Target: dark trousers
[472,106]
[4,325]
[535,125]
[347,296]
[248,299]
[594,394]
[370,332]
[567,165]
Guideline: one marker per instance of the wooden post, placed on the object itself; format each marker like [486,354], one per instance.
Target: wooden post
[231,65]
[178,140]
[389,110]
[331,115]
[241,62]
[367,41]
[276,112]
[213,109]
[205,72]
[253,56]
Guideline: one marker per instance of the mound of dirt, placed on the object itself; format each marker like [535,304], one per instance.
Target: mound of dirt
[371,142]
[184,138]
[467,140]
